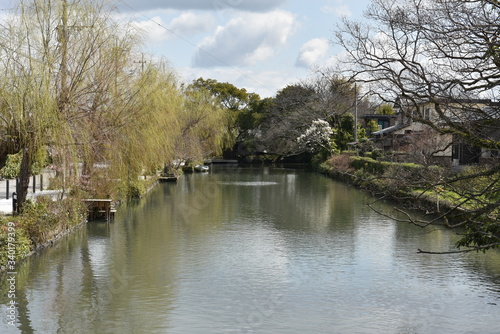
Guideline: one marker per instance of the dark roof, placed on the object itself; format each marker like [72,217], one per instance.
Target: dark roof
[389,129]
[379,116]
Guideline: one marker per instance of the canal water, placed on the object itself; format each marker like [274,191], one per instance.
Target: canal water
[254,250]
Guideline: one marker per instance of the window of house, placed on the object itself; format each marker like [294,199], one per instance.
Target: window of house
[427,113]
[383,124]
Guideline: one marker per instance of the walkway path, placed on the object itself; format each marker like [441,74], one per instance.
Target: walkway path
[40,189]
[6,204]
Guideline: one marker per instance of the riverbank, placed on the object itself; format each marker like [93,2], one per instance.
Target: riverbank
[397,182]
[42,223]
[46,220]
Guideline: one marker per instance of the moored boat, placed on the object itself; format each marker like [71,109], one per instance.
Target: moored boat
[201,168]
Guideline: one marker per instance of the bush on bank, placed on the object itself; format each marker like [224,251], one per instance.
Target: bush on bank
[137,188]
[41,222]
[405,181]
[14,242]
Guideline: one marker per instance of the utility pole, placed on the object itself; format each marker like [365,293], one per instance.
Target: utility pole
[142,62]
[64,30]
[63,99]
[63,36]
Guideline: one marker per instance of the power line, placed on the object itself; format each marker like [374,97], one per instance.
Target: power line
[196,46]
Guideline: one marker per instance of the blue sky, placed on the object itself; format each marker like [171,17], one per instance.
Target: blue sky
[260,45]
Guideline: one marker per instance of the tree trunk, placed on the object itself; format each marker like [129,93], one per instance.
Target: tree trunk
[24,178]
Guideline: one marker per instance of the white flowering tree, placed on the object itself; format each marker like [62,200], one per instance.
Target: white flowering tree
[317,137]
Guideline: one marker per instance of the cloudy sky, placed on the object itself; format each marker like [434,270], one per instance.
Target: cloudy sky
[260,45]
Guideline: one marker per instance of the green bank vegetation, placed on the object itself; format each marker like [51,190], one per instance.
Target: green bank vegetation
[465,200]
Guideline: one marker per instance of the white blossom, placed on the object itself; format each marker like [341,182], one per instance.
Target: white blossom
[316,136]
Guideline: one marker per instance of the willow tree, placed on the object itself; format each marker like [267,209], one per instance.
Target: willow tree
[445,53]
[74,88]
[29,116]
[143,139]
[203,129]
[79,57]
[169,123]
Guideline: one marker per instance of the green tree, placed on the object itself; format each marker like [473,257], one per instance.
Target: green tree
[237,101]
[385,109]
[241,108]
[345,132]
[285,118]
[230,97]
[372,126]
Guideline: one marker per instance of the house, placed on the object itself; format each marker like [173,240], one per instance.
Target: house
[383,121]
[414,139]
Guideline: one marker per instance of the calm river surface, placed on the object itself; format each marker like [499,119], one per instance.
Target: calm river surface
[255,250]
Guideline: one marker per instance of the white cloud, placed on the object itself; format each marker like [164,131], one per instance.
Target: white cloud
[247,39]
[314,52]
[191,24]
[242,5]
[338,9]
[343,10]
[153,29]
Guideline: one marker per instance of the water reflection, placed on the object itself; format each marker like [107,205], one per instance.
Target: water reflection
[255,250]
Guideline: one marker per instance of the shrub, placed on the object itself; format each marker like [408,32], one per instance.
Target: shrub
[353,153]
[369,165]
[377,153]
[340,163]
[476,178]
[10,230]
[40,222]
[12,166]
[135,189]
[37,221]
[43,219]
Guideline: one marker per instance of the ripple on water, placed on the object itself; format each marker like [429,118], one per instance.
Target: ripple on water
[250,183]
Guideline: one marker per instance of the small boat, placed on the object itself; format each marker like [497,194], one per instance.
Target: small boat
[168,178]
[201,168]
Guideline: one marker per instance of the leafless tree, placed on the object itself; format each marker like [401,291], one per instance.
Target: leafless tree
[445,53]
